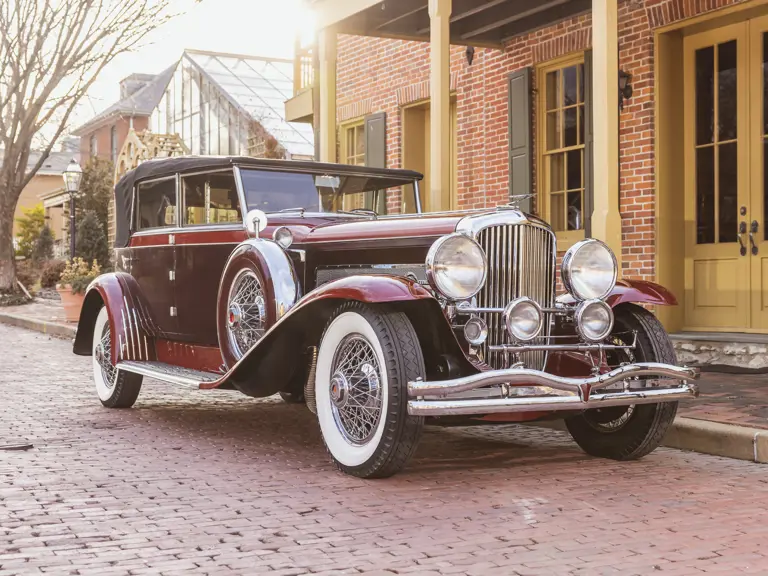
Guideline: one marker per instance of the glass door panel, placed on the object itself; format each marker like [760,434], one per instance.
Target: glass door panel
[716,271]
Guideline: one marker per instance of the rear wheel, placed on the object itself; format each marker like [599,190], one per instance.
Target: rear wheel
[629,432]
[115,388]
[366,358]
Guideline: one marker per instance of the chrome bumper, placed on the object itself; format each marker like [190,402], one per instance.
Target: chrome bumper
[576,393]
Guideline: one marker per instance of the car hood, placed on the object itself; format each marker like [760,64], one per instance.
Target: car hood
[325,228]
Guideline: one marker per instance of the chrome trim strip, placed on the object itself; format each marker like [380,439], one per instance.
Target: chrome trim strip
[526,376]
[241,194]
[509,348]
[548,403]
[185,245]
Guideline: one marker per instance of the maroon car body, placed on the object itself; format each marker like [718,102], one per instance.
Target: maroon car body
[190,237]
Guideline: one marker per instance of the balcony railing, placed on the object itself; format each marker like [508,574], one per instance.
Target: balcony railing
[303,74]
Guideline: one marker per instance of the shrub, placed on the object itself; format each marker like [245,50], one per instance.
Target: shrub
[30,226]
[52,273]
[43,249]
[77,274]
[91,240]
[28,273]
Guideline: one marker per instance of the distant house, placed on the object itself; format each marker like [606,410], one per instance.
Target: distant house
[104,134]
[45,182]
[231,104]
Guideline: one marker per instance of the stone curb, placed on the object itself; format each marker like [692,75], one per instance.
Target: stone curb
[50,328]
[740,442]
[705,437]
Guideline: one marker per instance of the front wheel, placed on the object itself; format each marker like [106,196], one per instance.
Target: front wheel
[629,432]
[366,358]
[115,388]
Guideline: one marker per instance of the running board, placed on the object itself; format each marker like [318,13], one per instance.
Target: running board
[169,373]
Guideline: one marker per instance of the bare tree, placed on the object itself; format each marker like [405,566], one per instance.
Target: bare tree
[51,51]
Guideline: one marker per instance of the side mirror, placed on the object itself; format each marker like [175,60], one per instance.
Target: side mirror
[255,222]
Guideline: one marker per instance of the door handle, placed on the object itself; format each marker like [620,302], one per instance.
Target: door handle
[742,231]
[752,231]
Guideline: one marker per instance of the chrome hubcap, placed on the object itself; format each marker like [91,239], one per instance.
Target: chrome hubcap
[246,313]
[355,389]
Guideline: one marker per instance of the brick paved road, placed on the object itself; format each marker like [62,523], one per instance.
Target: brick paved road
[220,483]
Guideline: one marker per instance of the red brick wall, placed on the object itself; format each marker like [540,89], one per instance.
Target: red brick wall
[103,140]
[376,75]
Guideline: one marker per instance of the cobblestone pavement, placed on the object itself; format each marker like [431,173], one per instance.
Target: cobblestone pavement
[219,483]
[740,399]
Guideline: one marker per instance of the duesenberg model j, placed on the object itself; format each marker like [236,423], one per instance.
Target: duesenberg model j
[268,277]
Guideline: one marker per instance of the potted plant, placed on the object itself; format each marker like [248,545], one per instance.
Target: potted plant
[74,280]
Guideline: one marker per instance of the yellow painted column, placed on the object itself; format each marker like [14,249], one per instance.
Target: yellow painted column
[606,220]
[327,112]
[440,103]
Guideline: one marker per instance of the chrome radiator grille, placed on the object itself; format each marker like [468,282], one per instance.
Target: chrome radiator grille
[521,262]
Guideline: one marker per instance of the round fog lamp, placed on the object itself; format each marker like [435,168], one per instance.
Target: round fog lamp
[594,320]
[283,236]
[475,331]
[523,319]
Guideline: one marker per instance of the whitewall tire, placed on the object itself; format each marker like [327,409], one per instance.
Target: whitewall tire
[366,358]
[115,388]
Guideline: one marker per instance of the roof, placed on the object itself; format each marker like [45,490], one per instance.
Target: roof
[167,166]
[140,103]
[259,87]
[54,165]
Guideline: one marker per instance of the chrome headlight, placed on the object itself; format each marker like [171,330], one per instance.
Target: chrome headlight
[283,236]
[594,320]
[589,270]
[523,319]
[456,267]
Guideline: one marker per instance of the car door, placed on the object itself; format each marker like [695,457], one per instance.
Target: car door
[211,228]
[153,254]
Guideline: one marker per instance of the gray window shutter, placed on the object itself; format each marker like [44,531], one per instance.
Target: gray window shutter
[589,151]
[520,130]
[376,155]
[376,140]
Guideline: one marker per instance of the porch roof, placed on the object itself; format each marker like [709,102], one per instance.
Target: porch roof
[473,22]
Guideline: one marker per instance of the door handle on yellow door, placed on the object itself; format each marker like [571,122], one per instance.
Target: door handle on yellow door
[752,231]
[742,231]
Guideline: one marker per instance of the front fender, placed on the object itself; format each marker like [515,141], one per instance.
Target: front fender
[269,364]
[637,291]
[133,330]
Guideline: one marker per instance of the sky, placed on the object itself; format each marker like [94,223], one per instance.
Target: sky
[252,27]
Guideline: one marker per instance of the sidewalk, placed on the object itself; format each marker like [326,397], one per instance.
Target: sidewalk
[730,418]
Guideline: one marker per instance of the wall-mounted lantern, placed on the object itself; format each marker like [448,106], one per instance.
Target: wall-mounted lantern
[470,54]
[625,87]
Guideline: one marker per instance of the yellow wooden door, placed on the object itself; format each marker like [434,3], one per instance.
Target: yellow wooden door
[757,221]
[717,195]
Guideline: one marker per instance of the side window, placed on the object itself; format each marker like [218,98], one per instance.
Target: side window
[210,199]
[157,204]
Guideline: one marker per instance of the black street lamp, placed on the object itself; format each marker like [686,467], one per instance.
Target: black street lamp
[72,177]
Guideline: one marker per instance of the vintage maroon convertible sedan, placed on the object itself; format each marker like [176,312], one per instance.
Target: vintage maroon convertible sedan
[269,277]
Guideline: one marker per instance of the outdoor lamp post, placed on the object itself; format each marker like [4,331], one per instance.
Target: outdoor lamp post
[72,177]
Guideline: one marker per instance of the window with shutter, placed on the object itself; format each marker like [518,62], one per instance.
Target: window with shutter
[562,133]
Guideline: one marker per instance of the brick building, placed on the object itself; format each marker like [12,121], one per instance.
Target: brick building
[104,134]
[640,122]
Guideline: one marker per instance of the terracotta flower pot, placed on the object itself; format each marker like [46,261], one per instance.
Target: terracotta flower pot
[73,303]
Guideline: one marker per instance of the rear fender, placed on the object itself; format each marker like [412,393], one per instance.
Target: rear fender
[267,366]
[637,291]
[130,321]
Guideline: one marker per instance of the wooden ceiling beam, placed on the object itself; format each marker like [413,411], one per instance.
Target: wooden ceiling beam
[543,19]
[493,22]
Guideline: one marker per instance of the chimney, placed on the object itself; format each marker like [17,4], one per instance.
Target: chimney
[133,83]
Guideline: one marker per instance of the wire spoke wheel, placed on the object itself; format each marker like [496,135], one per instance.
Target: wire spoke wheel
[355,389]
[103,354]
[615,417]
[246,315]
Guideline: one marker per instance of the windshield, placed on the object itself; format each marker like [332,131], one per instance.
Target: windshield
[274,191]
